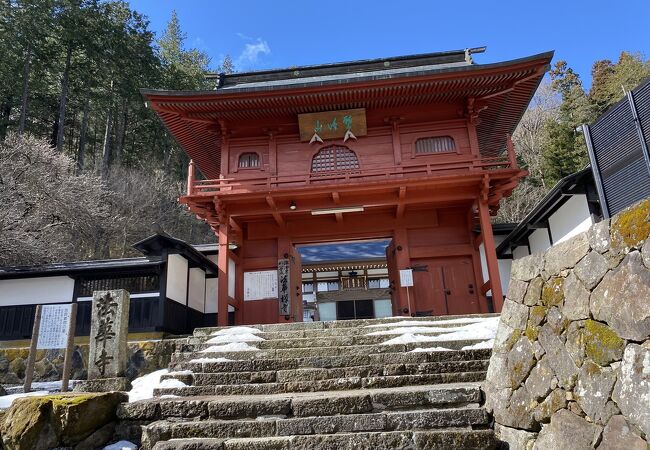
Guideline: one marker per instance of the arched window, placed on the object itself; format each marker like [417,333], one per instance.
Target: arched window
[334,158]
[248,160]
[432,145]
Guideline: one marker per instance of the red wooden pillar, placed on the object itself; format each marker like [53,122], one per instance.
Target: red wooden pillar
[403,259]
[490,254]
[222,264]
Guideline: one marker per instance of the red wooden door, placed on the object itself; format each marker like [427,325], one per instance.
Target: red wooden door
[445,286]
[428,288]
[461,292]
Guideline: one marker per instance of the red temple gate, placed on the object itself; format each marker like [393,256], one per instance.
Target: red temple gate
[415,148]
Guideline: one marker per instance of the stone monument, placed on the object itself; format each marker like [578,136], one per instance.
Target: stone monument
[108,357]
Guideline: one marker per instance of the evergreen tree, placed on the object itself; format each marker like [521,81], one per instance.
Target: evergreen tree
[565,151]
[609,81]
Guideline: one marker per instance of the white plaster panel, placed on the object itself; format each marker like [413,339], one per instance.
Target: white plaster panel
[504,272]
[377,271]
[41,290]
[211,295]
[327,311]
[570,219]
[539,240]
[196,290]
[327,274]
[383,308]
[520,252]
[177,278]
[231,278]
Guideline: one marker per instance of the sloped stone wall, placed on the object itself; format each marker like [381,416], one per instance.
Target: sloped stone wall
[570,367]
[144,357]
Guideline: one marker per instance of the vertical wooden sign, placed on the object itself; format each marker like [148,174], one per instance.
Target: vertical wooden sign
[284,284]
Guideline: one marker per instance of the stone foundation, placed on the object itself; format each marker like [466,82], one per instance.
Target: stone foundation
[144,357]
[571,360]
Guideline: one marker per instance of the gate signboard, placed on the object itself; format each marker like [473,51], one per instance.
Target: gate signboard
[284,291]
[345,124]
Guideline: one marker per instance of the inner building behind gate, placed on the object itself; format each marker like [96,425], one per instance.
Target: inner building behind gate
[413,150]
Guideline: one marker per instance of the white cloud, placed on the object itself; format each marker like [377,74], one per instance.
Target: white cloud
[250,55]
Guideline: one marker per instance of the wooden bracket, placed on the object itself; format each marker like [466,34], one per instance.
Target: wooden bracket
[485,188]
[274,211]
[472,110]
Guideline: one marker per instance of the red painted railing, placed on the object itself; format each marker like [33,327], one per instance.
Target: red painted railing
[268,182]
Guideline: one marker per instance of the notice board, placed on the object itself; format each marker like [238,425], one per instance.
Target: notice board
[260,285]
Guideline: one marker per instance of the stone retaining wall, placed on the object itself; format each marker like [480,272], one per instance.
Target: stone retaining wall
[570,367]
[144,357]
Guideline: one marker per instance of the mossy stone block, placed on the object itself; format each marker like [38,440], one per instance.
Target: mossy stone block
[602,344]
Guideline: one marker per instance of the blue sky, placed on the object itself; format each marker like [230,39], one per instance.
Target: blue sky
[274,33]
[348,251]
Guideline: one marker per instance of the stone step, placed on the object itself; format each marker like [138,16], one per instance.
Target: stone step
[338,324]
[183,361]
[282,353]
[272,426]
[201,343]
[333,384]
[458,438]
[328,403]
[204,334]
[314,374]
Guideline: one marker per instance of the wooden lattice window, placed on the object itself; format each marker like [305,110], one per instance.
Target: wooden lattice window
[333,159]
[133,284]
[249,160]
[432,145]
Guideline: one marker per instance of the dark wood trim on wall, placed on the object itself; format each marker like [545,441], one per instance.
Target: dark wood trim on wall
[16,321]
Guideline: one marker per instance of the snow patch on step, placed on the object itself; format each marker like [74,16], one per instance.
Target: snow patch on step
[142,388]
[210,360]
[430,349]
[181,372]
[410,323]
[121,445]
[485,329]
[171,383]
[480,345]
[231,347]
[404,330]
[236,330]
[236,337]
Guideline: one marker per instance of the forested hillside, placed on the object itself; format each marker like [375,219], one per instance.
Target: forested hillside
[86,168]
[547,140]
[70,77]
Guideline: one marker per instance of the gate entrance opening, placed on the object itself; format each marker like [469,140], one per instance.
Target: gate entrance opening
[414,149]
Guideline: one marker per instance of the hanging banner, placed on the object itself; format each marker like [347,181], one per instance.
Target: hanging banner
[345,124]
[284,284]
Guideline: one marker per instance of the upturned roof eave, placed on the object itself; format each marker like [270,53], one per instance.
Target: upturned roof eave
[161,94]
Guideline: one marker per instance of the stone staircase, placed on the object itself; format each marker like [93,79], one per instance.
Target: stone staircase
[319,385]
